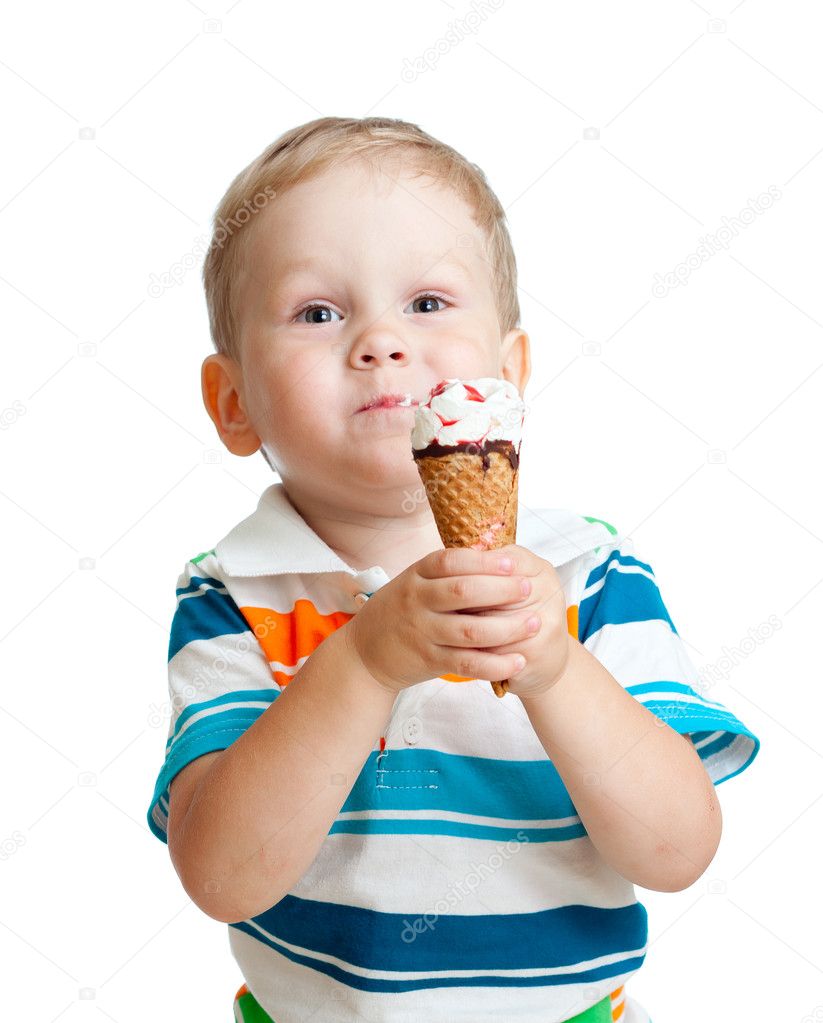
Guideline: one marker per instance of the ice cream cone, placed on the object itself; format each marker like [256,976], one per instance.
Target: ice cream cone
[471,485]
[472,506]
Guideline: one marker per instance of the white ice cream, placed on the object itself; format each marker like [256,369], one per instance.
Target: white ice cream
[469,412]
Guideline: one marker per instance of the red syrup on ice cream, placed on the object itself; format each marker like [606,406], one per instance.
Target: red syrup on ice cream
[472,394]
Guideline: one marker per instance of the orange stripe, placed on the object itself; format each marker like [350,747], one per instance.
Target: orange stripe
[243,991]
[572,620]
[456,678]
[288,636]
[617,1011]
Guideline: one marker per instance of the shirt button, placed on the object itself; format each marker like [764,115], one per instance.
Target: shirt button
[412,727]
[361,598]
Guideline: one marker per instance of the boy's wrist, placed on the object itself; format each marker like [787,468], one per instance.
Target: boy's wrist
[358,666]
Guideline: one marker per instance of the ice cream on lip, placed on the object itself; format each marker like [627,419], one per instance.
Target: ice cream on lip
[401,400]
[486,412]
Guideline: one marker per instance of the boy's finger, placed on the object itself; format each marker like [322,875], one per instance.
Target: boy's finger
[466,561]
[471,592]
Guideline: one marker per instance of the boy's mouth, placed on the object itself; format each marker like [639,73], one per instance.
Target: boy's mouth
[381,401]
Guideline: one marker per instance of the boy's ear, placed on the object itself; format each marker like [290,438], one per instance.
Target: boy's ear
[515,358]
[221,382]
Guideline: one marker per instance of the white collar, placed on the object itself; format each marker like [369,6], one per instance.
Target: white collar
[275,539]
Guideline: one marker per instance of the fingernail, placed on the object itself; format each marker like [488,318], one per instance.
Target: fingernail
[525,587]
[505,564]
[533,624]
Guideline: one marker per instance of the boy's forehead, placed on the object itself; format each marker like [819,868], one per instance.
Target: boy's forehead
[308,229]
[417,263]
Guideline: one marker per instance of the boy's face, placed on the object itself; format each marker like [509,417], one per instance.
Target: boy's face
[403,299]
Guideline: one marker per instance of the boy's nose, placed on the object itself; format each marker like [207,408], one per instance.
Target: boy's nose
[383,346]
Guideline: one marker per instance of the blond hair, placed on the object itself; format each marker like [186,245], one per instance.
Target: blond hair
[310,148]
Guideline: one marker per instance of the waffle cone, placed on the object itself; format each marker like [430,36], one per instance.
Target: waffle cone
[472,507]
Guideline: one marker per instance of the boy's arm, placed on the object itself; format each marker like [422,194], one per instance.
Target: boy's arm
[259,815]
[639,786]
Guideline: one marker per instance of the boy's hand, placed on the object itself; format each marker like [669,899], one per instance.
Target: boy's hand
[418,626]
[547,649]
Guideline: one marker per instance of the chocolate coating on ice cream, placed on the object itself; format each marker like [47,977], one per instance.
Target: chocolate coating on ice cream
[504,447]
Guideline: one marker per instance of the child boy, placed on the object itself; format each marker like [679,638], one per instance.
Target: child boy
[386,839]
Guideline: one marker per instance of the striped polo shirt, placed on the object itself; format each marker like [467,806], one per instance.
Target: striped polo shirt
[457,882]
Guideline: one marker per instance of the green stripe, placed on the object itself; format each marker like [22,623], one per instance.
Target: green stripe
[250,1010]
[200,557]
[608,525]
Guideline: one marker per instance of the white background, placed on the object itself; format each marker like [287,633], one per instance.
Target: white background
[688,419]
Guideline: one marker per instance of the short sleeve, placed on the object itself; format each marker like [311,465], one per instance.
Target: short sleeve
[623,621]
[219,680]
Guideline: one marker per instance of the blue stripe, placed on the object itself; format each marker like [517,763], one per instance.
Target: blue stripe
[410,942]
[197,741]
[711,749]
[426,779]
[206,616]
[672,687]
[228,722]
[484,787]
[623,597]
[456,829]
[511,790]
[238,696]
[679,710]
[198,581]
[619,558]
[228,719]
[691,719]
[421,779]
[696,720]
[352,980]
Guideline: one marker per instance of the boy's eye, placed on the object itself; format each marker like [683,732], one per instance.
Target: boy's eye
[427,298]
[317,309]
[326,312]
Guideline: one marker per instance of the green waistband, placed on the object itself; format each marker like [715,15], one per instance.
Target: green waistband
[251,1012]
